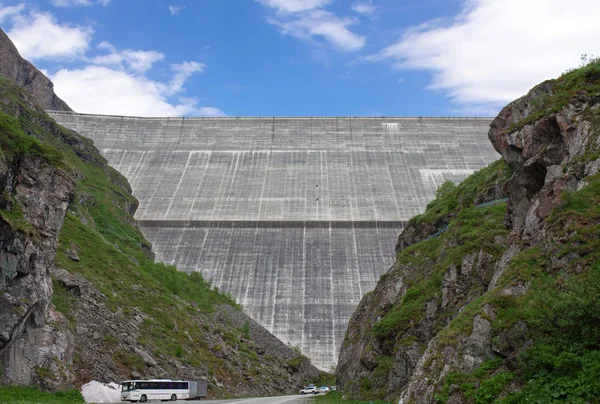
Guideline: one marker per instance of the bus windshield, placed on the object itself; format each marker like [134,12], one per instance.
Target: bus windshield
[127,386]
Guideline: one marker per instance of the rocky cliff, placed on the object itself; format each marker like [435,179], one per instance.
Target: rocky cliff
[35,197]
[25,75]
[493,298]
[81,297]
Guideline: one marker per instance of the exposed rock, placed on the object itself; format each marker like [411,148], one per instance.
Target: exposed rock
[103,338]
[549,154]
[42,356]
[27,341]
[72,255]
[267,343]
[25,75]
[148,360]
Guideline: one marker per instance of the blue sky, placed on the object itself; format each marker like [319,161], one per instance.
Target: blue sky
[300,57]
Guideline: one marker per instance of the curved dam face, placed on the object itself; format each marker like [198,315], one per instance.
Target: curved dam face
[295,217]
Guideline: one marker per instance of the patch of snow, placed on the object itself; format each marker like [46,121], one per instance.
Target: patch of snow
[96,392]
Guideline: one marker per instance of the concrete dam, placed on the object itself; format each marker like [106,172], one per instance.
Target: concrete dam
[295,217]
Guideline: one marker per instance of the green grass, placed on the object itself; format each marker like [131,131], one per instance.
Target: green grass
[481,386]
[29,395]
[561,309]
[296,360]
[112,250]
[62,299]
[470,231]
[334,397]
[564,89]
[450,198]
[14,142]
[560,280]
[324,379]
[564,362]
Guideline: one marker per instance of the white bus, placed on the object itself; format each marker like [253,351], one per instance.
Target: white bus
[161,389]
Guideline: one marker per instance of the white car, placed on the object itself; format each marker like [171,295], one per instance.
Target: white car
[309,390]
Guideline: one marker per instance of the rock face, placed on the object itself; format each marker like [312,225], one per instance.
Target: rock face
[31,335]
[548,155]
[442,309]
[81,297]
[25,75]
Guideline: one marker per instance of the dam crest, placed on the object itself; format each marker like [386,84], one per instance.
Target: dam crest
[295,217]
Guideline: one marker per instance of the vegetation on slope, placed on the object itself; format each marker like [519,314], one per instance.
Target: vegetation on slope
[113,256]
[561,307]
[561,310]
[451,199]
[468,218]
[334,397]
[543,310]
[470,228]
[586,78]
[29,395]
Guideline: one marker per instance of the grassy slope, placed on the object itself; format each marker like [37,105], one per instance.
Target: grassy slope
[470,229]
[112,250]
[334,397]
[561,308]
[27,395]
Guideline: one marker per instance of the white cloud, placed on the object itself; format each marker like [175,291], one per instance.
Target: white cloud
[115,81]
[323,24]
[305,19]
[294,6]
[490,110]
[182,72]
[39,36]
[75,3]
[363,8]
[174,10]
[100,90]
[139,61]
[10,11]
[209,111]
[495,50]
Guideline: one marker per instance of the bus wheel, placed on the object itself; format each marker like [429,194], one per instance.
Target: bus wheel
[173,397]
[143,398]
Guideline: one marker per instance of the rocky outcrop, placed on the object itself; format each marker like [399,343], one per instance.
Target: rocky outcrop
[67,236]
[449,307]
[549,154]
[27,76]
[33,339]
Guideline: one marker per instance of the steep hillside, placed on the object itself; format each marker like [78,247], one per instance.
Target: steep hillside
[494,299]
[104,309]
[27,76]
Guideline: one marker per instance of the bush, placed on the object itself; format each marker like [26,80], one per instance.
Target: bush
[564,363]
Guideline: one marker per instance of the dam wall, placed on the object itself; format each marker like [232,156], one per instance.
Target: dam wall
[295,217]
